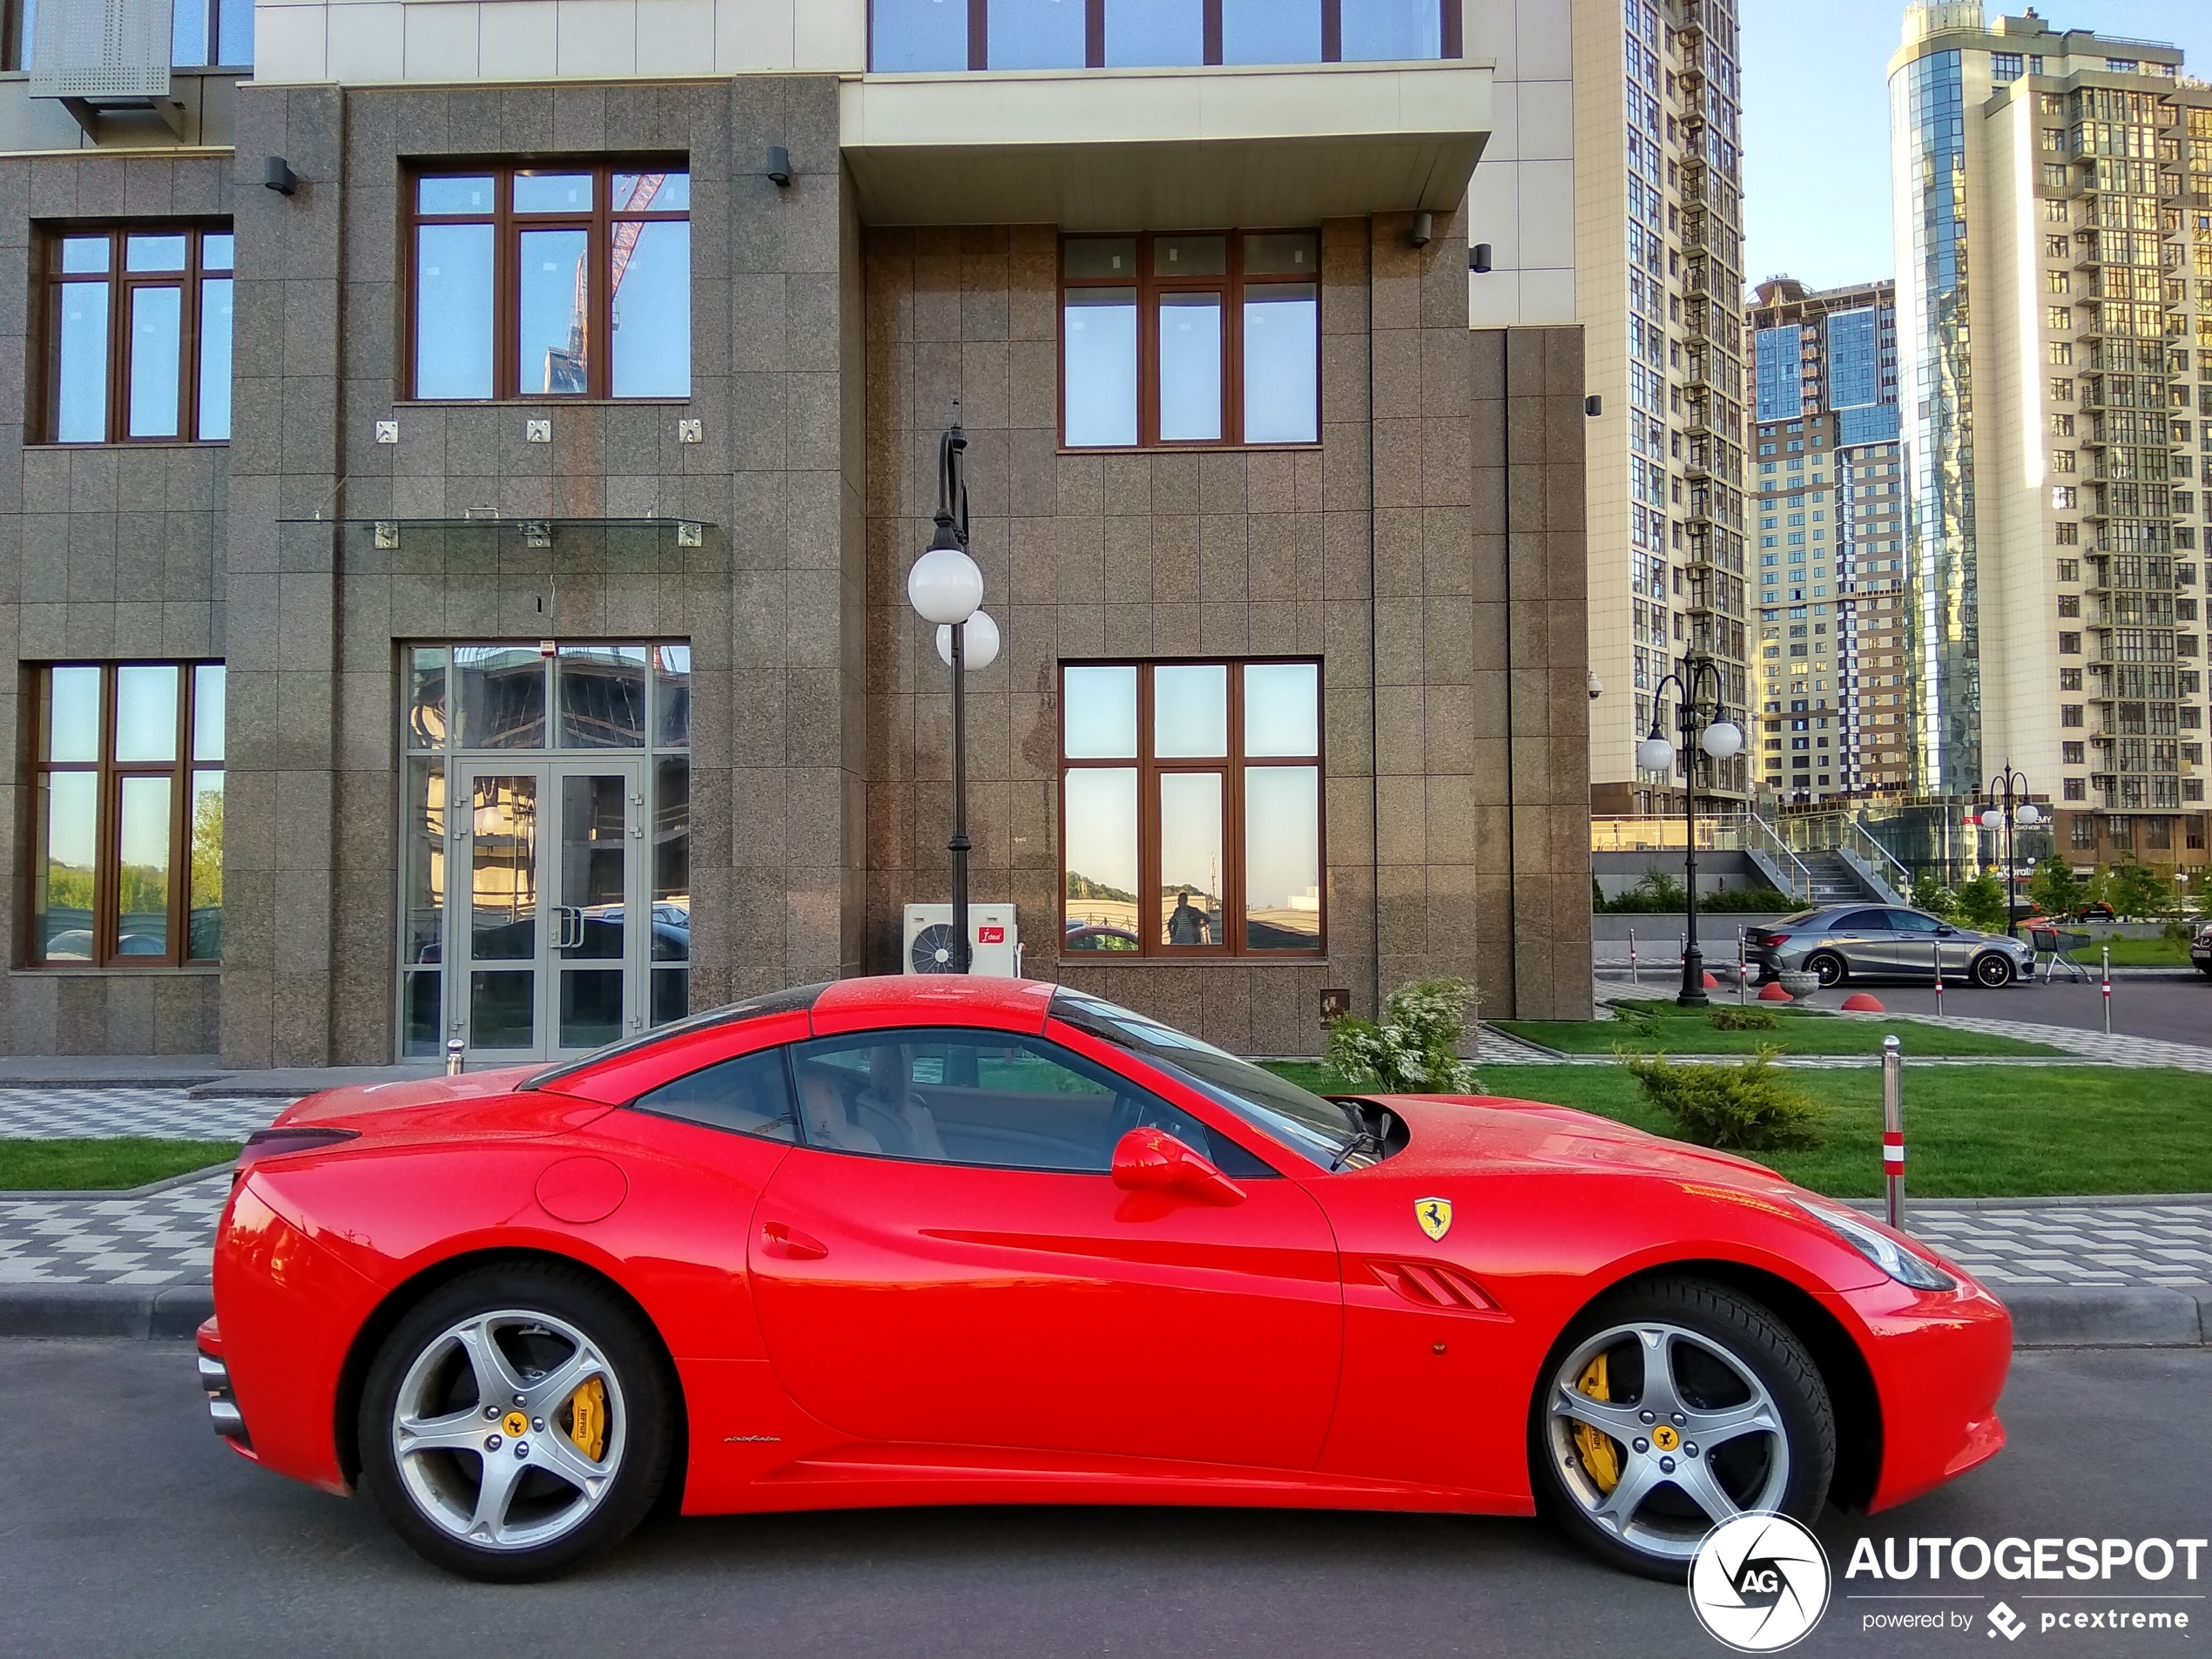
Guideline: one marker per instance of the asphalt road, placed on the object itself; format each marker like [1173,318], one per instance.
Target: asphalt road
[126,1529]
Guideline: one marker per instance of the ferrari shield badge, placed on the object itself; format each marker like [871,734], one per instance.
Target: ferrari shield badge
[1434,1214]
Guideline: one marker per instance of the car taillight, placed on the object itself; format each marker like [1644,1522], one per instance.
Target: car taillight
[1771,940]
[273,1143]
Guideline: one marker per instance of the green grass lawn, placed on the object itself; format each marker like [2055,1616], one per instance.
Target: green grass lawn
[102,1165]
[2020,1132]
[2136,952]
[1661,1028]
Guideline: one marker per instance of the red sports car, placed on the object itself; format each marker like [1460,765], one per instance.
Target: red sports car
[951,1240]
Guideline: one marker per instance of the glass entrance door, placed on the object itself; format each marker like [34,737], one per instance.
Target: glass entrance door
[552,943]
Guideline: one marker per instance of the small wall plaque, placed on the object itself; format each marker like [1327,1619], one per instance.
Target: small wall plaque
[538,431]
[387,432]
[689,432]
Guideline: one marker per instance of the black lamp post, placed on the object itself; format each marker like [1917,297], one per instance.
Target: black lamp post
[2008,804]
[1701,727]
[946,587]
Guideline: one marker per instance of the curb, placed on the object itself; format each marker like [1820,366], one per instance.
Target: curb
[2056,1317]
[2043,1316]
[162,1312]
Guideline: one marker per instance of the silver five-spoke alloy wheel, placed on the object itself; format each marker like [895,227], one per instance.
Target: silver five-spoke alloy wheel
[509,1429]
[1659,1434]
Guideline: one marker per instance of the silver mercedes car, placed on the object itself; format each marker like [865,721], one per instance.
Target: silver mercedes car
[1848,941]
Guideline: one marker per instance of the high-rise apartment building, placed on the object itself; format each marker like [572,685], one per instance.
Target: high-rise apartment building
[2055,298]
[1659,268]
[466,461]
[1830,673]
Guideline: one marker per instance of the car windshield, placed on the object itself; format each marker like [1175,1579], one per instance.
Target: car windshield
[1310,1125]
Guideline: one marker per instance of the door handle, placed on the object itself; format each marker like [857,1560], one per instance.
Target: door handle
[788,1244]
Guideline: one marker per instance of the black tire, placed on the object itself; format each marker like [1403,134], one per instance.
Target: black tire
[1831,969]
[529,1313]
[1661,1532]
[1991,971]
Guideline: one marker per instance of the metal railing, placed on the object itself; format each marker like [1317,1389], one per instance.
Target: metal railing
[1721,833]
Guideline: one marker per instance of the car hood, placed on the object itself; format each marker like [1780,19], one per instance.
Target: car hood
[1466,1134]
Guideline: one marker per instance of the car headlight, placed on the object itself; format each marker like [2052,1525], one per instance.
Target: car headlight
[1893,1258]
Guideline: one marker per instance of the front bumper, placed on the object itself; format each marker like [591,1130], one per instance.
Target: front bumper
[1938,1360]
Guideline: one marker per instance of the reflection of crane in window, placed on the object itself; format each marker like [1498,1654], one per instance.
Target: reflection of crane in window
[567,369]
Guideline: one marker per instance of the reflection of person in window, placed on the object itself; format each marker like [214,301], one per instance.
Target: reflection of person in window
[1187,924]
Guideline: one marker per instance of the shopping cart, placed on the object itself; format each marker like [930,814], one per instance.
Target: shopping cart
[2054,949]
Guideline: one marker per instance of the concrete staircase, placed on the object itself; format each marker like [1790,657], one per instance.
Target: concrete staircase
[1833,880]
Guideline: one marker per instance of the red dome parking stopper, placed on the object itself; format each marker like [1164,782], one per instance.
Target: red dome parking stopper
[1712,983]
[1774,993]
[1859,1003]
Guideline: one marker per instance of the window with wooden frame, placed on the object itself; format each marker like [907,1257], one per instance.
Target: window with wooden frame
[549,282]
[137,334]
[933,36]
[127,815]
[1190,809]
[1190,339]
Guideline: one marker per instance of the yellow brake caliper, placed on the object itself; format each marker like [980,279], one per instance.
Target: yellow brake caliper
[588,1418]
[1599,1456]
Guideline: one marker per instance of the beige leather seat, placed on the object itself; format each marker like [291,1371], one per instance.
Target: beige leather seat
[827,1121]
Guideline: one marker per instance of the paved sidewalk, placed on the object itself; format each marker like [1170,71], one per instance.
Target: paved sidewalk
[52,1114]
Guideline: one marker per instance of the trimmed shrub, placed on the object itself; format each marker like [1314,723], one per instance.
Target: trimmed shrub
[1737,1108]
[1415,1049]
[1744,1020]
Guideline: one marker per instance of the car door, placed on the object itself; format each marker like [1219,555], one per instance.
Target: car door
[1918,937]
[947,1259]
[1864,940]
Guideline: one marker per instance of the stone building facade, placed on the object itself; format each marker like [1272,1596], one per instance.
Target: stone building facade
[681,615]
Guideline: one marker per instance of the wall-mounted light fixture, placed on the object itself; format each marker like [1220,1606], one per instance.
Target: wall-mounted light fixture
[1593,406]
[279,177]
[1478,258]
[1424,228]
[779,166]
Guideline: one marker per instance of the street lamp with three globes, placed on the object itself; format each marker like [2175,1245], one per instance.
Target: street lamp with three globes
[1700,724]
[946,587]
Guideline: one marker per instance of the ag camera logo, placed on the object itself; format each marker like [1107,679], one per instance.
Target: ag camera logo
[1759,1582]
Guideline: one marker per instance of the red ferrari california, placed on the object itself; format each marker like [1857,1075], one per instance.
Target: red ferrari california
[948,1240]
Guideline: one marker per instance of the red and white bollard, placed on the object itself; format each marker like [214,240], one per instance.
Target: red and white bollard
[1632,956]
[1939,972]
[2108,954]
[1893,1128]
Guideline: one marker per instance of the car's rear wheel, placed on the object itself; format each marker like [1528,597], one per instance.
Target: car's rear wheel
[1992,971]
[1828,967]
[1668,1407]
[516,1421]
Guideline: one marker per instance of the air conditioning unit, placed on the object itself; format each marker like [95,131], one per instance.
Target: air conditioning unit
[994,943]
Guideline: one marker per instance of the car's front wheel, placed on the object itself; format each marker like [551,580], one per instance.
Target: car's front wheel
[1668,1407]
[517,1421]
[1992,971]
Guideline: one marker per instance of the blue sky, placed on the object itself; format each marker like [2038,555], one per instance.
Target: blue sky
[1816,122]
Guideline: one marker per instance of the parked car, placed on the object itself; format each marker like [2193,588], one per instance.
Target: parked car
[1838,942]
[930,1240]
[2099,911]
[2200,948]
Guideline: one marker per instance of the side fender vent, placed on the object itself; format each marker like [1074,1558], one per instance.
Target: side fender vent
[1434,1285]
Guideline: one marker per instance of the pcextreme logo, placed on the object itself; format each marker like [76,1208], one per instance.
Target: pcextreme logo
[1759,1582]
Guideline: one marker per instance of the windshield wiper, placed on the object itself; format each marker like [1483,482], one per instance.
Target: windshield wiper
[1363,1141]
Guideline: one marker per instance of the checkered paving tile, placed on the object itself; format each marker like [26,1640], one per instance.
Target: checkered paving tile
[2086,1244]
[163,1113]
[166,1238]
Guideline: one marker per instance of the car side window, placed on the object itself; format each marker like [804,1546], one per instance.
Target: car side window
[990,1098]
[1862,922]
[750,1094]
[1912,922]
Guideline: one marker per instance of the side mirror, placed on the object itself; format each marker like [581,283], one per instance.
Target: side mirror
[1151,1160]
[1946,932]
